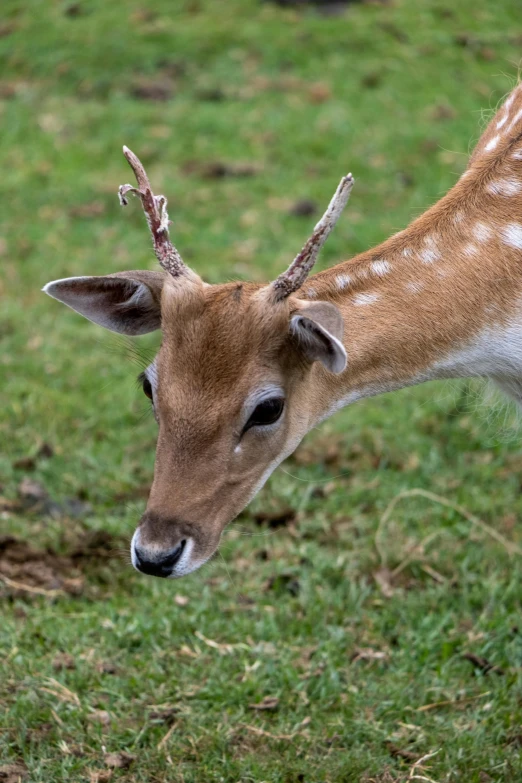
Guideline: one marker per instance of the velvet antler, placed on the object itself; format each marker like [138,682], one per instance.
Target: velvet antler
[299,269]
[155,208]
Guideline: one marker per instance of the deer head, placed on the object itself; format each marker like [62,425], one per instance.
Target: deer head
[235,386]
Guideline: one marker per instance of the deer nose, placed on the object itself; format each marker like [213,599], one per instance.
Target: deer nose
[157,565]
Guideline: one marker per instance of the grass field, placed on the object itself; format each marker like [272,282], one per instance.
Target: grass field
[371,639]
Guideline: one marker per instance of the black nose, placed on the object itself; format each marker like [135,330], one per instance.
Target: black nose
[159,566]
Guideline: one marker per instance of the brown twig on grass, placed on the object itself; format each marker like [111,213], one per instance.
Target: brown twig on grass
[450,702]
[155,208]
[418,765]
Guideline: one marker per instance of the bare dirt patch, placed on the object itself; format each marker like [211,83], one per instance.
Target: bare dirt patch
[26,570]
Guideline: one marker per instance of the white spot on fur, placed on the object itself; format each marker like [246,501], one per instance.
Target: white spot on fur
[429,255]
[381,267]
[516,118]
[491,144]
[458,217]
[365,299]
[343,281]
[503,121]
[512,235]
[407,252]
[311,293]
[470,249]
[517,155]
[482,232]
[415,287]
[504,187]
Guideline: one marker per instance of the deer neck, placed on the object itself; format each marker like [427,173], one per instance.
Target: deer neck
[434,301]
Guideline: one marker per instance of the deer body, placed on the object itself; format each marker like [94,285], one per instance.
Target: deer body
[246,370]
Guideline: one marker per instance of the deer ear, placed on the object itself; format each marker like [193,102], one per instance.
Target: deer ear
[126,302]
[318,329]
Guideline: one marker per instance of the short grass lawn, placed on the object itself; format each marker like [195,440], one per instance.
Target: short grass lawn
[336,637]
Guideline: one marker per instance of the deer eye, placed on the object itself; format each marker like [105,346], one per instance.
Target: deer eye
[267,412]
[146,385]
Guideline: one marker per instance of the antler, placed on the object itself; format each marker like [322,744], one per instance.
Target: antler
[299,269]
[155,208]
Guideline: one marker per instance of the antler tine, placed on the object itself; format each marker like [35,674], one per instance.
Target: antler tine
[155,208]
[299,269]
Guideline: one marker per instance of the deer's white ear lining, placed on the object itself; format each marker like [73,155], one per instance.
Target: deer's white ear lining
[319,344]
[120,304]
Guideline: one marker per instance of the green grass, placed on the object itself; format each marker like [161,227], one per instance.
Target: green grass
[393,92]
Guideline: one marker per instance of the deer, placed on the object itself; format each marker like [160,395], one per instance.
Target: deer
[245,370]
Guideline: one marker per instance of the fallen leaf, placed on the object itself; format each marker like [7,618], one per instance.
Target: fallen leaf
[287,582]
[9,505]
[7,28]
[45,451]
[218,169]
[384,578]
[30,490]
[483,664]
[63,660]
[268,703]
[100,775]
[13,773]
[166,714]
[120,760]
[369,654]
[275,519]
[24,463]
[181,600]
[304,207]
[399,753]
[319,92]
[106,667]
[152,89]
[90,210]
[443,112]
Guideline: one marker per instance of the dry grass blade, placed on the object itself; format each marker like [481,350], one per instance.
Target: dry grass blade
[450,702]
[263,733]
[223,647]
[29,589]
[510,547]
[419,764]
[163,742]
[61,692]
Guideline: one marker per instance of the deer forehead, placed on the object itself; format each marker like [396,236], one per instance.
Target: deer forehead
[221,345]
